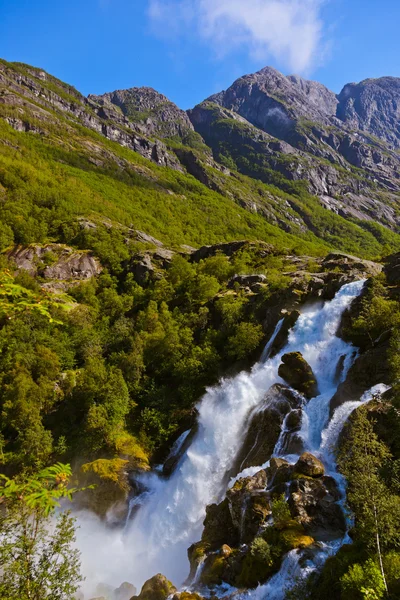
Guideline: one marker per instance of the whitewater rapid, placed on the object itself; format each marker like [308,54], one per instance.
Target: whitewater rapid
[171,517]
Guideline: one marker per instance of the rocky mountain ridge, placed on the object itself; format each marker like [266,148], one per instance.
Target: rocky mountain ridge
[283,131]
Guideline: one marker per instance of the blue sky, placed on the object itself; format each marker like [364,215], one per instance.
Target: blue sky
[189,49]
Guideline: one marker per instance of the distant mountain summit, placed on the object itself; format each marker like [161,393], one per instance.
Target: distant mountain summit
[373,106]
[157,115]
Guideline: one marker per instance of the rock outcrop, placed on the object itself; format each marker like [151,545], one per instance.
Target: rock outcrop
[296,371]
[55,262]
[246,536]
[156,588]
[264,427]
[313,503]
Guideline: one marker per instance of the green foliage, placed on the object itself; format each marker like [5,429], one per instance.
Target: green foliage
[246,338]
[361,458]
[363,582]
[280,511]
[257,565]
[37,556]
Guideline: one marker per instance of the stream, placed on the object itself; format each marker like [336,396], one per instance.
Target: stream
[171,516]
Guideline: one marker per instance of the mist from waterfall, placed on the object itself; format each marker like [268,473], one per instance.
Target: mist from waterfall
[171,517]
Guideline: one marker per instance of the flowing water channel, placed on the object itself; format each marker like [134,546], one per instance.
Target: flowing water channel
[171,516]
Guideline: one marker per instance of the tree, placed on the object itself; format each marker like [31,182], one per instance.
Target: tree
[37,558]
[377,510]
[363,582]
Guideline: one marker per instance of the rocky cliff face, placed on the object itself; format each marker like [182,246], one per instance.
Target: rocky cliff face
[313,135]
[286,131]
[373,106]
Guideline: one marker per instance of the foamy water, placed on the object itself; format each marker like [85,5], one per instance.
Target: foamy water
[171,518]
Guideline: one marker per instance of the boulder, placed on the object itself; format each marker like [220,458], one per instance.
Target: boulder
[291,440]
[313,503]
[156,588]
[178,450]
[296,371]
[264,427]
[309,465]
[149,265]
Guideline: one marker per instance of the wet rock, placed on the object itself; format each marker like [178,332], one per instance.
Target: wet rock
[249,505]
[296,371]
[156,588]
[369,369]
[291,440]
[289,321]
[264,428]
[309,465]
[178,450]
[313,503]
[219,527]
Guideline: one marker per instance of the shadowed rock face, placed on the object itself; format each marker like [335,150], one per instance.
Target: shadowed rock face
[264,429]
[296,371]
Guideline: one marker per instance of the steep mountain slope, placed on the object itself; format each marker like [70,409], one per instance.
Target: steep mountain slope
[84,147]
[352,172]
[373,106]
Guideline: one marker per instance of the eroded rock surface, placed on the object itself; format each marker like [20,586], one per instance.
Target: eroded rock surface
[265,424]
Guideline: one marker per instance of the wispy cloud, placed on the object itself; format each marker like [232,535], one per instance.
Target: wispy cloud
[289,31]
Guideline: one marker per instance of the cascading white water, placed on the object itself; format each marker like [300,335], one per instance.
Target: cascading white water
[171,519]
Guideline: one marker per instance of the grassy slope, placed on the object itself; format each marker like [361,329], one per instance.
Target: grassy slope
[51,178]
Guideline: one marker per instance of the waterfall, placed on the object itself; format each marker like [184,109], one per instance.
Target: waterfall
[171,519]
[267,350]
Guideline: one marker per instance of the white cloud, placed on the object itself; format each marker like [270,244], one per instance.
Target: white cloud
[289,31]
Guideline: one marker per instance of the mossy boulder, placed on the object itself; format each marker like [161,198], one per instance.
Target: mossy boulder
[196,554]
[156,588]
[293,535]
[296,371]
[309,465]
[187,596]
